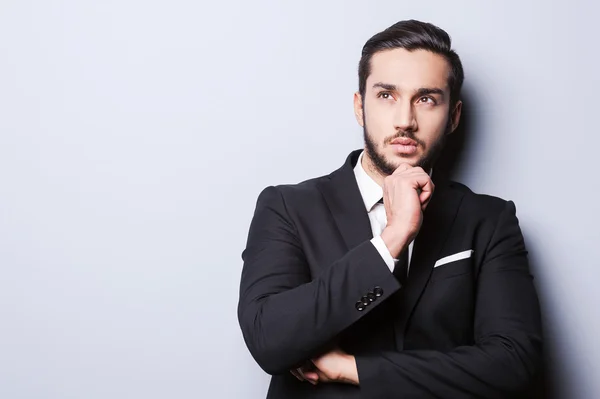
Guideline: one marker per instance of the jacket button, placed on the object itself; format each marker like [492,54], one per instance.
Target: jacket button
[378,291]
[359,306]
[365,301]
[371,296]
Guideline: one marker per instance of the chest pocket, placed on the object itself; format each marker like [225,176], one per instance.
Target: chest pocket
[452,269]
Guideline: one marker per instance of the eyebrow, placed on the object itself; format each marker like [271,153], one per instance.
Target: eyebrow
[430,90]
[420,92]
[385,86]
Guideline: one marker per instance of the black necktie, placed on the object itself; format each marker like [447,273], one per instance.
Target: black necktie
[401,267]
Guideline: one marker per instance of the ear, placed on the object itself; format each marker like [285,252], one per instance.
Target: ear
[358,108]
[455,116]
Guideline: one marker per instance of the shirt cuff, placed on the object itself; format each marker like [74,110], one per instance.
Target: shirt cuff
[384,252]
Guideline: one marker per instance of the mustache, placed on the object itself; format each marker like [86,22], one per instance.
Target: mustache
[405,133]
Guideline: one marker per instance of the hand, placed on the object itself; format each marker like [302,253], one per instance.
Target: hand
[333,366]
[406,194]
[300,373]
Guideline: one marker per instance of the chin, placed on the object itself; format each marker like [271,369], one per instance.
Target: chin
[397,159]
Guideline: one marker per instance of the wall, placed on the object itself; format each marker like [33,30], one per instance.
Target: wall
[135,137]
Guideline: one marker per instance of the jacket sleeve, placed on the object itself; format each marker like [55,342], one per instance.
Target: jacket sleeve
[507,350]
[287,315]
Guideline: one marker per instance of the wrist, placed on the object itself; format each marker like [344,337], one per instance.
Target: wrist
[395,240]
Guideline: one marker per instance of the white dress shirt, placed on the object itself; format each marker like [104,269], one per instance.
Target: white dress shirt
[371,193]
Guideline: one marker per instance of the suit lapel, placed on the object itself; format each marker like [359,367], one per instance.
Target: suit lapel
[343,198]
[346,205]
[437,221]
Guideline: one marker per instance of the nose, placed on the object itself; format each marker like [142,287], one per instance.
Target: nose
[404,117]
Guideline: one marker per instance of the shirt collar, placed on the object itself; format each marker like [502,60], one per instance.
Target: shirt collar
[370,191]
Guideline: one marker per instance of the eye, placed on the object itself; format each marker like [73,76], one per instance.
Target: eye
[426,100]
[385,95]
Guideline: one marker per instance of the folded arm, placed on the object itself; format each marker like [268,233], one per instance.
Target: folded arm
[507,348]
[287,315]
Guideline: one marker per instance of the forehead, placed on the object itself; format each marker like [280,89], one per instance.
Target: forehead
[409,70]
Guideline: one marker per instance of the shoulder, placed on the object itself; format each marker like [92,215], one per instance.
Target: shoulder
[478,204]
[303,192]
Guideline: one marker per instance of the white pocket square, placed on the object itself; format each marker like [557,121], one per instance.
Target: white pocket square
[454,258]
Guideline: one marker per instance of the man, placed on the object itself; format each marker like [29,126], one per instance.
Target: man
[381,279]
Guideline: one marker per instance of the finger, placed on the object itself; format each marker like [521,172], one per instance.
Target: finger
[425,199]
[296,374]
[423,182]
[425,196]
[303,372]
[401,168]
[415,169]
[425,202]
[322,376]
[311,375]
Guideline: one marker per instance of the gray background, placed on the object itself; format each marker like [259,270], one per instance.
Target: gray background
[135,137]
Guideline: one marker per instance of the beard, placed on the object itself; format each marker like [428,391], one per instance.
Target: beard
[426,161]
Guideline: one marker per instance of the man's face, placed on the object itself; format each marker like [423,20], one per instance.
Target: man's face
[405,112]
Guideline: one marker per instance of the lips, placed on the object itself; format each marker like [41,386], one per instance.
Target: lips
[404,141]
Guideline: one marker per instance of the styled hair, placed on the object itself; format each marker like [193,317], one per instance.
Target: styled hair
[413,35]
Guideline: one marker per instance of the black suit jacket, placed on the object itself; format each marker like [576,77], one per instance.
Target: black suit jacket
[469,328]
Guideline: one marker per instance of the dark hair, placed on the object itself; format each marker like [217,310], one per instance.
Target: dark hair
[413,35]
